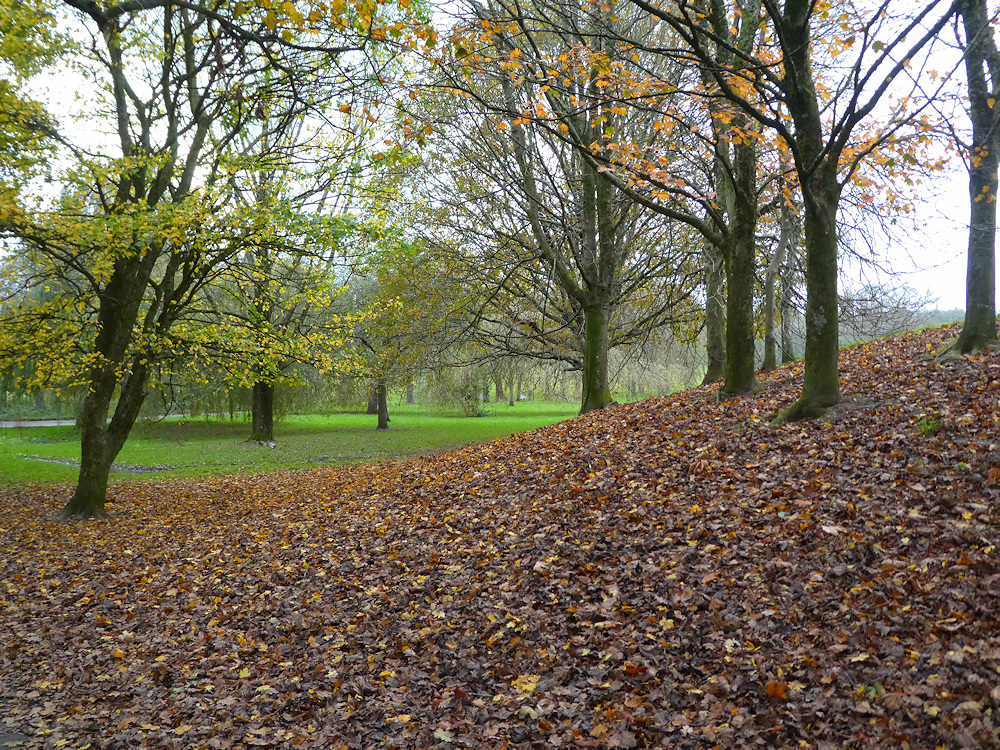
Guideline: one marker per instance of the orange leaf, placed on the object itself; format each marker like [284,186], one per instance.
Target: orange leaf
[777,690]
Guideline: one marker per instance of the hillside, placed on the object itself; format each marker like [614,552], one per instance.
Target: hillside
[671,573]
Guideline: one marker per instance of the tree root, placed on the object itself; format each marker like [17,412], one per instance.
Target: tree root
[963,347]
[799,411]
[70,513]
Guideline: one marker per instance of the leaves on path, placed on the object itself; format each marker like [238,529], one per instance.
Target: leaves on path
[672,573]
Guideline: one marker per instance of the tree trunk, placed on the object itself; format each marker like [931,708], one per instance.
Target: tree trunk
[787,316]
[262,412]
[740,262]
[95,453]
[821,383]
[715,312]
[373,400]
[596,392]
[817,170]
[788,309]
[982,65]
[499,382]
[770,286]
[100,441]
[382,406]
[409,394]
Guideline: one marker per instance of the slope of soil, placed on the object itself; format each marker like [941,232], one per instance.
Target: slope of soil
[673,573]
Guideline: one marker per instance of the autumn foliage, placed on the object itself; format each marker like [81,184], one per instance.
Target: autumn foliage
[673,573]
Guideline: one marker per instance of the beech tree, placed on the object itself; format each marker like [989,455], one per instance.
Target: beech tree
[279,290]
[982,155]
[148,228]
[569,252]
[405,310]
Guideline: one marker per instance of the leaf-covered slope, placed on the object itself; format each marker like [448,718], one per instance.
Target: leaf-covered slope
[672,573]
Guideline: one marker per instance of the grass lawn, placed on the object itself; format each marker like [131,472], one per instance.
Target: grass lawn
[199,446]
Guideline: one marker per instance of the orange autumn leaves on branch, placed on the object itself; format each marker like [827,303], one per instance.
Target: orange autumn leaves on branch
[401,21]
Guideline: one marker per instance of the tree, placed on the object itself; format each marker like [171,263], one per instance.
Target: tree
[571,266]
[402,300]
[982,66]
[273,306]
[305,169]
[149,228]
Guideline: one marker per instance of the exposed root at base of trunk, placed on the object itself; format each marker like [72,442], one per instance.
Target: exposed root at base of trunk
[962,347]
[801,410]
[71,513]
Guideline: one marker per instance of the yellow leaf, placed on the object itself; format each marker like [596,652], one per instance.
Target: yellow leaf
[526,683]
[991,101]
[402,718]
[183,729]
[244,673]
[345,108]
[117,653]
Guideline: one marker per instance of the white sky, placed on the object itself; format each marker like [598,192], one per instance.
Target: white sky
[935,262]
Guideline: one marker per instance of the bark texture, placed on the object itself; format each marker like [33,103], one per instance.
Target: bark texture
[262,412]
[382,403]
[740,265]
[982,65]
[715,312]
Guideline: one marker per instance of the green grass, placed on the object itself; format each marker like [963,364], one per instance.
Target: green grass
[201,447]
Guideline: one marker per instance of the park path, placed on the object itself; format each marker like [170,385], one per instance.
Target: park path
[62,423]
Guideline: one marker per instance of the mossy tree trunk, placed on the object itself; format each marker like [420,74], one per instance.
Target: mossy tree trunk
[821,382]
[596,391]
[100,440]
[740,264]
[787,298]
[816,164]
[982,65]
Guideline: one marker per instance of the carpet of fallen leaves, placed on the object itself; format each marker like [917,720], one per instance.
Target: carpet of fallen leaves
[672,573]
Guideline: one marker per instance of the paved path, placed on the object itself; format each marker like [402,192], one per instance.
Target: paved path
[68,422]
